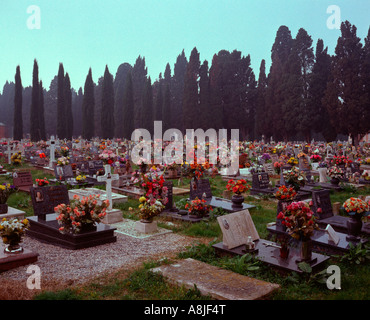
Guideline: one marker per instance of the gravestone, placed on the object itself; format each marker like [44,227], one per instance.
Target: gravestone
[45,227]
[261,184]
[23,180]
[269,168]
[236,227]
[321,199]
[63,172]
[199,188]
[83,166]
[304,164]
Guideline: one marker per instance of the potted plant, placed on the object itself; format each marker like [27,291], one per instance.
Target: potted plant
[336,174]
[237,187]
[108,156]
[172,169]
[198,208]
[12,232]
[82,214]
[6,190]
[356,208]
[149,208]
[64,151]
[292,161]
[301,223]
[62,161]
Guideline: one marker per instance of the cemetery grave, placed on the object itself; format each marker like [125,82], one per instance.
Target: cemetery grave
[44,225]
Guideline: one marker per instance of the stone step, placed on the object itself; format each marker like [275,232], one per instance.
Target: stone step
[219,283]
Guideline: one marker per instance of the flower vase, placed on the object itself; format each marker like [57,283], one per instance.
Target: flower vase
[87,227]
[354,226]
[334,181]
[284,252]
[13,248]
[3,208]
[306,250]
[237,202]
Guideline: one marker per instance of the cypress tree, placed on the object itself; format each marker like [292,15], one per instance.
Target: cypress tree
[128,108]
[41,112]
[147,107]
[260,117]
[18,119]
[159,102]
[68,107]
[61,110]
[139,79]
[190,98]
[107,113]
[88,107]
[34,113]
[204,98]
[167,108]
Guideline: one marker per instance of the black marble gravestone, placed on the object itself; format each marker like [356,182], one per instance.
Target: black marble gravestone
[45,227]
[261,184]
[63,172]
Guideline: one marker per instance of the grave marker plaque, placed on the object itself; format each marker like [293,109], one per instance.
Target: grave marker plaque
[200,187]
[45,199]
[269,168]
[260,180]
[63,172]
[304,164]
[321,199]
[22,180]
[236,227]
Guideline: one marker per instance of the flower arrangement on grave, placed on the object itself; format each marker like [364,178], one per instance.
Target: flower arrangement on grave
[277,166]
[301,154]
[149,208]
[292,161]
[12,232]
[323,164]
[80,178]
[41,144]
[62,161]
[365,175]
[295,177]
[195,170]
[198,208]
[340,161]
[108,156]
[81,213]
[299,220]
[356,206]
[315,158]
[266,157]
[237,187]
[16,159]
[42,182]
[6,190]
[172,166]
[42,155]
[335,172]
[285,193]
[64,151]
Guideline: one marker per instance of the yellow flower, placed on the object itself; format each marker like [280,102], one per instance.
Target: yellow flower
[142,199]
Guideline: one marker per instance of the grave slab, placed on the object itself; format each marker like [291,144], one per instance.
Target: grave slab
[14,260]
[13,213]
[85,192]
[219,283]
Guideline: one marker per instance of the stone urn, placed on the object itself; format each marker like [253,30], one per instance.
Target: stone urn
[354,226]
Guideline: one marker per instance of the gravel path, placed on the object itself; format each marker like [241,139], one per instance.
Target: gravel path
[77,266]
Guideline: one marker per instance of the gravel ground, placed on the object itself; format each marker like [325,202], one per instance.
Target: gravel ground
[78,266]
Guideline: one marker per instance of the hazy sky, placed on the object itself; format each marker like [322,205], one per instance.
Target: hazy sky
[93,33]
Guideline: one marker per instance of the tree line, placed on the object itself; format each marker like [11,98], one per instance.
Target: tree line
[306,93]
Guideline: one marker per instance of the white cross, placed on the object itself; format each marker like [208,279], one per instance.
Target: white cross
[10,152]
[108,178]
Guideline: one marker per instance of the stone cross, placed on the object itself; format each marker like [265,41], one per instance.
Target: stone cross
[108,178]
[52,145]
[10,152]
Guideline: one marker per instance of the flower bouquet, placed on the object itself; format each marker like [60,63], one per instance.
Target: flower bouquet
[237,187]
[277,166]
[62,161]
[16,159]
[315,158]
[64,151]
[356,209]
[292,161]
[285,194]
[198,208]
[340,161]
[366,176]
[12,232]
[42,182]
[108,156]
[295,178]
[81,178]
[81,214]
[149,208]
[335,173]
